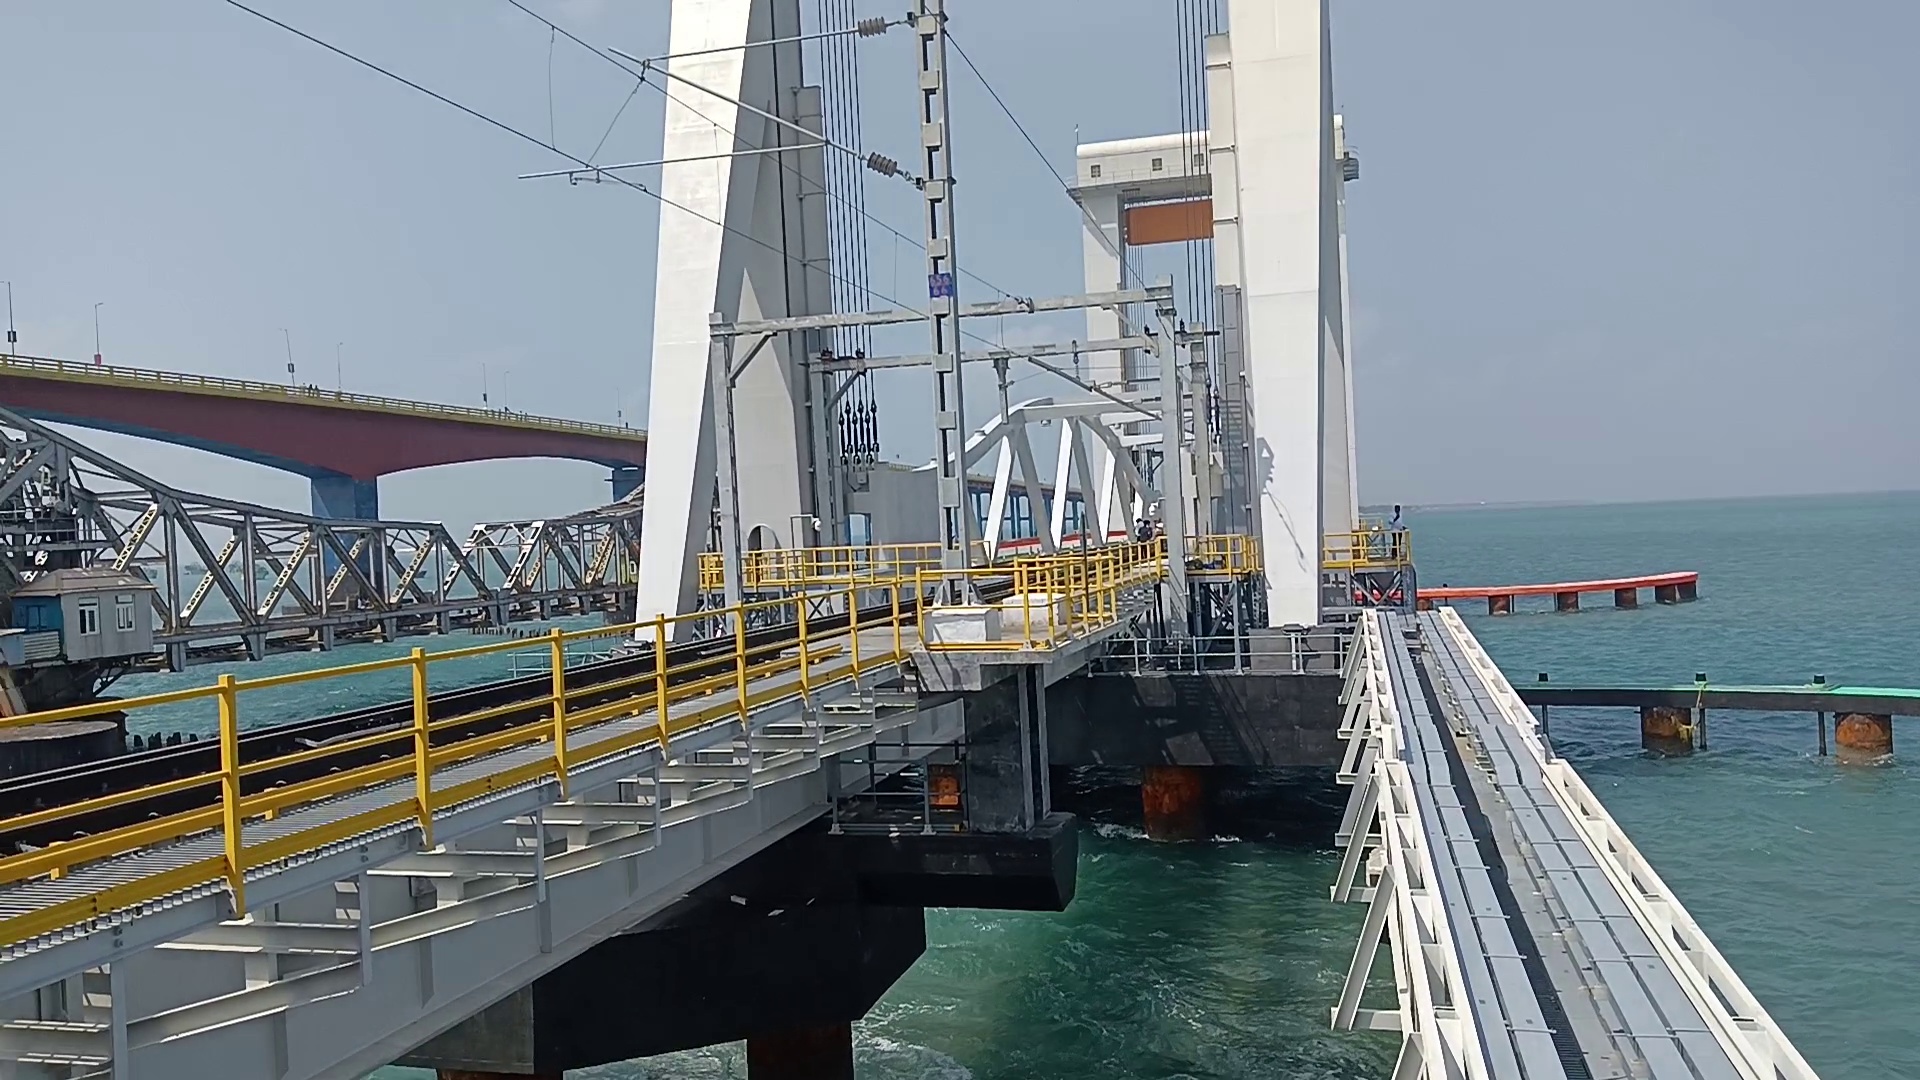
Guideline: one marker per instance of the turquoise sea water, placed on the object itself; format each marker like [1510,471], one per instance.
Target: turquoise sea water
[1220,959]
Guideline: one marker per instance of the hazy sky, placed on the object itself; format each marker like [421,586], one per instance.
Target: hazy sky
[1647,249]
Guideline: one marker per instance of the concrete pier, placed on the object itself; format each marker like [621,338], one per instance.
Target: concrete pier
[1566,601]
[1859,738]
[813,1053]
[1666,730]
[1626,598]
[1500,604]
[1173,799]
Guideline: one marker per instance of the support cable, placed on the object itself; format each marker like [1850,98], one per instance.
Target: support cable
[640,77]
[535,140]
[1112,249]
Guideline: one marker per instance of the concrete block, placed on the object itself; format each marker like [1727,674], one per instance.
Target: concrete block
[962,625]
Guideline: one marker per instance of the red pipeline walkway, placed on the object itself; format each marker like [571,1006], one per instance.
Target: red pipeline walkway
[1671,588]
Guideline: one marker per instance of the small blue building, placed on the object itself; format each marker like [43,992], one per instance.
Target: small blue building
[94,614]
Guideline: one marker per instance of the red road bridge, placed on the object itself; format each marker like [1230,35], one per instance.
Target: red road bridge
[343,443]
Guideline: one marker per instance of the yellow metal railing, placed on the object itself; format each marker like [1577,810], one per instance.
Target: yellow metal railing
[799,568]
[427,747]
[42,367]
[1049,598]
[881,564]
[1374,546]
[1225,555]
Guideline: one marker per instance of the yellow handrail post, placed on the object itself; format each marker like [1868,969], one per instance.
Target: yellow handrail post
[853,628]
[1023,588]
[894,592]
[800,609]
[557,640]
[231,819]
[660,676]
[422,748]
[921,603]
[740,659]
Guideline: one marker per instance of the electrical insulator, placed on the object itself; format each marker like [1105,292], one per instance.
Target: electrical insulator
[883,164]
[871,27]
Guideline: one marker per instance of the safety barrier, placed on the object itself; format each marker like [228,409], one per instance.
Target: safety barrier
[1374,546]
[1228,555]
[75,371]
[423,748]
[1053,598]
[804,568]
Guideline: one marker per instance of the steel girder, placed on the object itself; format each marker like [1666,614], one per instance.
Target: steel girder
[227,571]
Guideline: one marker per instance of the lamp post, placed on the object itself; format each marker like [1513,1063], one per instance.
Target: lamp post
[96,332]
[288,335]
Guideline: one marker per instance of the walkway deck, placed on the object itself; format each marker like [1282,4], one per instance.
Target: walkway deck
[1530,937]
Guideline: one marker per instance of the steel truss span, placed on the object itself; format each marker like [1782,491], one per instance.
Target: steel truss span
[1592,968]
[233,578]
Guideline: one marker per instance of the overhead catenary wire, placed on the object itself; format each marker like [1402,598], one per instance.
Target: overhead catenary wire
[640,77]
[503,126]
[536,141]
[1112,249]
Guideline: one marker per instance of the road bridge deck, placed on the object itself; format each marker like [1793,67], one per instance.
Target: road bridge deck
[1530,938]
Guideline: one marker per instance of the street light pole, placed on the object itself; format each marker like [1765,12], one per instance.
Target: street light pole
[288,334]
[339,383]
[13,339]
[96,333]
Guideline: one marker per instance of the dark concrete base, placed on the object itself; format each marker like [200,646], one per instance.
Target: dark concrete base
[805,936]
[39,747]
[1258,720]
[1032,871]
[823,1053]
[726,972]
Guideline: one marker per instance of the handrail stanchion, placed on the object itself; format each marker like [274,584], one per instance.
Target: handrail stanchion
[1023,588]
[853,629]
[231,818]
[558,643]
[893,591]
[422,748]
[660,677]
[740,659]
[922,604]
[800,609]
